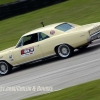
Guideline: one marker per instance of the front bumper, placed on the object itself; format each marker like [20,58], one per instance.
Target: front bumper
[94,36]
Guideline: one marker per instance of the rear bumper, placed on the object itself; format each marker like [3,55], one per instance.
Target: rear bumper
[94,36]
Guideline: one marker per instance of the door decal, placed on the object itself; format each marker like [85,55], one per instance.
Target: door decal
[27,51]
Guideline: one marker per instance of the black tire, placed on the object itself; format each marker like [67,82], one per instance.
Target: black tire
[5,68]
[64,51]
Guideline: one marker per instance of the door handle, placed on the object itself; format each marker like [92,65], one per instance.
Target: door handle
[36,46]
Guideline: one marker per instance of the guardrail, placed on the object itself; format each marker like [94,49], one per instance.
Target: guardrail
[24,6]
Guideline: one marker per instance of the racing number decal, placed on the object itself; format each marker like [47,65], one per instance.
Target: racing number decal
[27,51]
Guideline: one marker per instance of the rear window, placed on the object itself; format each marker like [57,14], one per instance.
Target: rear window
[64,27]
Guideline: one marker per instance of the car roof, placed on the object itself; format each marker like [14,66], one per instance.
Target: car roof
[48,27]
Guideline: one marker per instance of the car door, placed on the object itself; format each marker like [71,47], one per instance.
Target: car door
[46,44]
[28,49]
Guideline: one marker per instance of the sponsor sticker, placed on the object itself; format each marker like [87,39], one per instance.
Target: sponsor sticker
[11,57]
[52,32]
[27,51]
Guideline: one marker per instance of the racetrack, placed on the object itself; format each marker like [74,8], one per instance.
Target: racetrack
[82,67]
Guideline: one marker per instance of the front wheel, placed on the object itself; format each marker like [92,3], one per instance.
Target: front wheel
[64,51]
[5,68]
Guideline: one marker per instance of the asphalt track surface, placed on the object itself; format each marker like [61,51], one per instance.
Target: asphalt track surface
[82,67]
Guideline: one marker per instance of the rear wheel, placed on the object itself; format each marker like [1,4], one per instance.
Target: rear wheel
[64,51]
[5,68]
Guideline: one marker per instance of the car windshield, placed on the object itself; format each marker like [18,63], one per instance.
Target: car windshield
[64,27]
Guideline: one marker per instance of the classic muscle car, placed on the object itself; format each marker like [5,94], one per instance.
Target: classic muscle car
[57,39]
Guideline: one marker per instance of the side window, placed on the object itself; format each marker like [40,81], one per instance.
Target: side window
[30,39]
[42,36]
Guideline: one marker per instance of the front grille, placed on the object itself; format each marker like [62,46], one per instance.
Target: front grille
[94,30]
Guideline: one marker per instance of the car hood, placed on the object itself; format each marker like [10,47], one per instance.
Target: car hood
[8,49]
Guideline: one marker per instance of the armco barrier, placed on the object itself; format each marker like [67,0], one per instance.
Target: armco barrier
[24,6]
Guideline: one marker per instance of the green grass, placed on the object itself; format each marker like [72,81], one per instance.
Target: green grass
[6,1]
[75,11]
[87,91]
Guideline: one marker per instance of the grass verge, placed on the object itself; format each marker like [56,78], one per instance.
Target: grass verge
[87,91]
[6,1]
